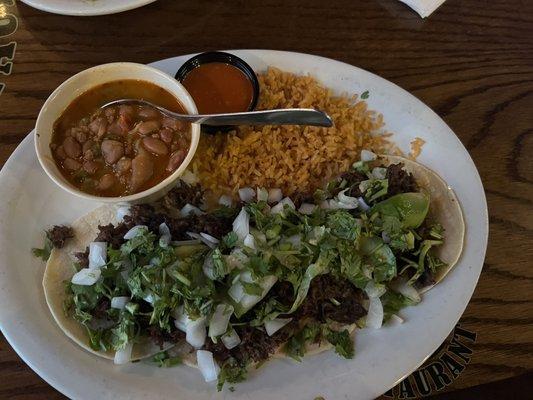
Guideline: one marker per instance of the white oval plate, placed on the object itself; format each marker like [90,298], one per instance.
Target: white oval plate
[86,7]
[32,202]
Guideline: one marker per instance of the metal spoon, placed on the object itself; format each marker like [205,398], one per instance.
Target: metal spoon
[287,116]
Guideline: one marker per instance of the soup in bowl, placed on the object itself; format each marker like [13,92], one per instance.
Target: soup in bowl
[118,153]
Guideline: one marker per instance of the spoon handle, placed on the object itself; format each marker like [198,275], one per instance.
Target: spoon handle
[292,116]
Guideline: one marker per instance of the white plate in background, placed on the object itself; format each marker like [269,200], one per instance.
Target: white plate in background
[31,203]
[86,7]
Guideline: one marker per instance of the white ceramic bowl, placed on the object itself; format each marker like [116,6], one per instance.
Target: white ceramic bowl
[85,80]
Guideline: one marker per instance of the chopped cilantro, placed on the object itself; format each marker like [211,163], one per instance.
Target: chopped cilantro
[365,95]
[44,253]
[232,371]
[342,341]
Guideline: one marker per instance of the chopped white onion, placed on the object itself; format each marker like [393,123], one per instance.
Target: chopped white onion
[266,283]
[246,194]
[134,231]
[195,332]
[220,319]
[119,302]
[231,339]
[295,241]
[241,225]
[274,195]
[198,236]
[379,173]
[209,268]
[396,319]
[344,198]
[97,254]
[262,194]
[207,365]
[209,238]
[189,178]
[225,201]
[236,259]
[149,298]
[374,290]
[189,209]
[374,317]
[236,291]
[362,204]
[186,242]
[325,204]
[123,356]
[368,156]
[86,276]
[274,325]
[165,238]
[249,241]
[307,208]
[281,205]
[122,211]
[401,286]
[180,318]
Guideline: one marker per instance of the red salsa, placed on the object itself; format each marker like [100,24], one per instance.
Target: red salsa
[219,88]
[119,150]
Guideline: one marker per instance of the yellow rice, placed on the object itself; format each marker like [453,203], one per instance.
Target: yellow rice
[292,158]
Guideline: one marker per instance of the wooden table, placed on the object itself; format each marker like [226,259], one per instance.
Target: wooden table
[471,61]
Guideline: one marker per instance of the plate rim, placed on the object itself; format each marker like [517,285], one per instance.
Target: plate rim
[63,388]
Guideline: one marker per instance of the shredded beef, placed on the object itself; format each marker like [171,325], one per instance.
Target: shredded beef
[113,235]
[59,234]
[160,336]
[400,181]
[220,352]
[353,179]
[83,257]
[283,292]
[101,307]
[318,303]
[255,344]
[184,194]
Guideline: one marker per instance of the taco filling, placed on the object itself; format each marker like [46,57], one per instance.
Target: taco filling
[240,283]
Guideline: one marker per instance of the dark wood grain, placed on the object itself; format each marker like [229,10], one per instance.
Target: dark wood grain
[471,61]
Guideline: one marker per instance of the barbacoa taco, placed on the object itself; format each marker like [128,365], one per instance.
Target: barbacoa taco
[228,288]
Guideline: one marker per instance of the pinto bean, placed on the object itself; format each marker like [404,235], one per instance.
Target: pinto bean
[142,169]
[106,182]
[175,160]
[146,127]
[91,167]
[112,150]
[148,113]
[173,124]
[126,110]
[81,136]
[123,165]
[72,147]
[114,128]
[166,135]
[71,164]
[88,155]
[98,126]
[88,145]
[60,152]
[154,145]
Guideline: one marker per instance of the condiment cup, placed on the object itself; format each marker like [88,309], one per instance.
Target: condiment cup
[69,90]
